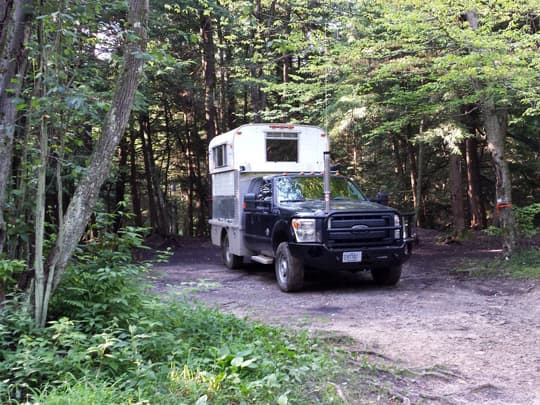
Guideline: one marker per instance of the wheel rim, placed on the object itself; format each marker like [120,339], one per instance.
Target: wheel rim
[283,268]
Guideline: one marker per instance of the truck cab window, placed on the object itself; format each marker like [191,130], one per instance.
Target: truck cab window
[265,191]
[288,189]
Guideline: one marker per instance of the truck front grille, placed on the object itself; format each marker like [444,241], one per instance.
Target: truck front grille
[349,230]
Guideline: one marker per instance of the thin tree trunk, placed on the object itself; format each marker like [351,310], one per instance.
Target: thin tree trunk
[257,96]
[133,178]
[159,203]
[15,22]
[209,67]
[152,209]
[456,194]
[477,212]
[86,194]
[40,285]
[419,181]
[228,101]
[120,185]
[413,174]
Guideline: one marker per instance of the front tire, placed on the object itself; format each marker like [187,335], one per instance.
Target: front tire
[230,260]
[387,275]
[289,269]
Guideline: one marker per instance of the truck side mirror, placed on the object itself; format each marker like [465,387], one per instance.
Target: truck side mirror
[250,200]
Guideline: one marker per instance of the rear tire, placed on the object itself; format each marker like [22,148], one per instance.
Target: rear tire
[289,269]
[387,275]
[230,260]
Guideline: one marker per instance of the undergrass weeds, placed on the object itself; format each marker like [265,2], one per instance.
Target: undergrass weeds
[173,352]
[110,341]
[522,264]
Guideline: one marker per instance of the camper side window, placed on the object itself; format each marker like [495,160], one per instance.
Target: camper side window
[220,155]
[281,147]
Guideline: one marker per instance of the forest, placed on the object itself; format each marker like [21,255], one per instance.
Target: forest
[107,109]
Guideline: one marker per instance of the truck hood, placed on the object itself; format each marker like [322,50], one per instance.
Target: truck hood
[316,207]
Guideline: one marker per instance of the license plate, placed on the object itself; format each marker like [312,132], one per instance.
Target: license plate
[352,257]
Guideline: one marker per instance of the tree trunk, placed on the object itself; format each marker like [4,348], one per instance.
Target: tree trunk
[158,204]
[477,211]
[255,68]
[152,209]
[228,101]
[209,67]
[456,195]
[86,194]
[496,122]
[15,20]
[133,179]
[120,185]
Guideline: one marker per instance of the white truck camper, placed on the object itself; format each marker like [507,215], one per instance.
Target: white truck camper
[254,150]
[274,200]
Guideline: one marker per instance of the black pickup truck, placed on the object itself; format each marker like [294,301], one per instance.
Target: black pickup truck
[287,220]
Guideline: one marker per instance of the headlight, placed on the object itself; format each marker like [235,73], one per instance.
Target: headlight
[305,230]
[397,222]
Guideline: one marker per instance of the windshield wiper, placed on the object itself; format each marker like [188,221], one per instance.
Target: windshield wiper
[297,200]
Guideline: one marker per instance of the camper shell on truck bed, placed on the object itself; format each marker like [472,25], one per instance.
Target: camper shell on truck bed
[254,150]
[271,204]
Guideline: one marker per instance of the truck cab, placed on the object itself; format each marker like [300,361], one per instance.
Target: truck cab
[300,219]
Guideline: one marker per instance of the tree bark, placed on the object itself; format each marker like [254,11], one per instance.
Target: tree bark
[209,67]
[477,211]
[133,179]
[157,201]
[456,195]
[496,122]
[15,20]
[86,194]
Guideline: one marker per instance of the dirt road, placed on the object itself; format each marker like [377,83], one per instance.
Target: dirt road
[456,340]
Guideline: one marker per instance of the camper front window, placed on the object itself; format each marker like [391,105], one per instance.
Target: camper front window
[220,155]
[281,147]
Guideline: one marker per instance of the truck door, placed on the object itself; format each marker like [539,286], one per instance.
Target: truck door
[260,220]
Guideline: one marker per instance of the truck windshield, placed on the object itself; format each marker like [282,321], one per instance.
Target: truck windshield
[293,188]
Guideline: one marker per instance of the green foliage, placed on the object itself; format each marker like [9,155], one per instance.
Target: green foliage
[113,341]
[528,219]
[9,269]
[103,285]
[174,350]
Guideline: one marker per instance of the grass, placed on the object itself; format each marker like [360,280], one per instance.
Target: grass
[524,264]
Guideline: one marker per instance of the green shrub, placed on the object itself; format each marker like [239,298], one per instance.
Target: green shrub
[104,285]
[526,219]
[113,341]
[8,272]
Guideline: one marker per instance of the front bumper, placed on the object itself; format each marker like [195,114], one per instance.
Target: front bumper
[321,257]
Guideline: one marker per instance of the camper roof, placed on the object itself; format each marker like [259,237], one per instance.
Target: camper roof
[269,148]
